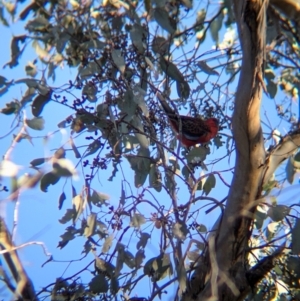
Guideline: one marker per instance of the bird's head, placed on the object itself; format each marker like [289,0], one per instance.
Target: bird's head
[213,121]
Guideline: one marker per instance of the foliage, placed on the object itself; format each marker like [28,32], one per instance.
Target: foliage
[122,54]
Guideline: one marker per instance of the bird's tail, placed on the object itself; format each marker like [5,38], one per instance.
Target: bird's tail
[165,105]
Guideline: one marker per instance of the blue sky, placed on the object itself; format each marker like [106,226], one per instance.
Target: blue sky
[38,213]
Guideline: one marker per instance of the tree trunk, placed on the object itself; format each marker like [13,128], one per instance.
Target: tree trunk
[228,246]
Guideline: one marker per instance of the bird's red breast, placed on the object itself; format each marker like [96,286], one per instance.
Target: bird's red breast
[191,130]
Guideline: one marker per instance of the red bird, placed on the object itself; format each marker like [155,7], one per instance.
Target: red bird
[190,130]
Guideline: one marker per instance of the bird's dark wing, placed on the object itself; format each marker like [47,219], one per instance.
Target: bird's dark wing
[191,127]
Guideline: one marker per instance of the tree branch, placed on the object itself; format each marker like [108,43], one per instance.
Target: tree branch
[24,288]
[282,151]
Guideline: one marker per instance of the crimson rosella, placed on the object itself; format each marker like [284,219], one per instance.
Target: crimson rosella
[190,130]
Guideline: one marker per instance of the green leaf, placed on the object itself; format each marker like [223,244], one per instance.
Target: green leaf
[158,267]
[99,198]
[269,74]
[104,267]
[137,35]
[92,148]
[93,44]
[36,123]
[139,132]
[215,27]
[201,228]
[205,68]
[89,70]
[37,162]
[89,230]
[102,110]
[39,102]
[183,89]
[271,230]
[290,170]
[296,161]
[69,215]
[11,108]
[259,218]
[293,265]
[61,200]
[272,88]
[3,81]
[155,178]
[129,259]
[15,50]
[74,193]
[31,69]
[130,142]
[160,45]
[180,231]
[98,284]
[127,105]
[295,238]
[107,244]
[218,141]
[40,51]
[48,179]
[77,125]
[67,236]
[117,23]
[2,18]
[141,166]
[118,60]
[161,16]
[171,70]
[64,168]
[137,220]
[278,212]
[90,91]
[27,97]
[139,257]
[143,240]
[75,149]
[147,4]
[37,24]
[197,154]
[209,184]
[78,203]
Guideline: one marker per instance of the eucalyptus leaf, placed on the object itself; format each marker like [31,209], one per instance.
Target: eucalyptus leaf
[48,179]
[137,220]
[295,238]
[92,148]
[78,203]
[118,59]
[216,26]
[90,227]
[143,240]
[39,102]
[98,284]
[171,70]
[99,198]
[205,68]
[11,108]
[278,212]
[180,230]
[209,184]
[162,18]
[36,123]
[64,168]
